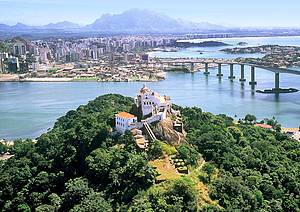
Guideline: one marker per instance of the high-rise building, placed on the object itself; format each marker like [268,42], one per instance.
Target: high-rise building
[13,64]
[94,54]
[75,57]
[35,66]
[145,57]
[126,47]
[19,49]
[1,64]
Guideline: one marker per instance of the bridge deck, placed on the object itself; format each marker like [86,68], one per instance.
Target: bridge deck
[276,70]
[221,61]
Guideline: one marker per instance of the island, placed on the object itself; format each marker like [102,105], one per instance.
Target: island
[146,154]
[242,43]
[274,55]
[188,44]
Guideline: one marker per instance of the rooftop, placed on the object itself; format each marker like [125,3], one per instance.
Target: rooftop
[144,89]
[125,115]
[266,126]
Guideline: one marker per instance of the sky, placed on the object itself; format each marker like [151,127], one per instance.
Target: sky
[243,13]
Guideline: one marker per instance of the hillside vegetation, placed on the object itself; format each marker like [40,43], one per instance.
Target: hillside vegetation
[82,165]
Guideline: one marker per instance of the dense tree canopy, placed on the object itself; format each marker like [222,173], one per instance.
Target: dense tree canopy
[76,162]
[259,168]
[82,165]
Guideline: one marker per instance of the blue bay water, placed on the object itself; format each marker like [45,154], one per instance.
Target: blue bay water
[29,109]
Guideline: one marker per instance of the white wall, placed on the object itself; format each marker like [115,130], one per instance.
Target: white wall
[123,124]
[148,101]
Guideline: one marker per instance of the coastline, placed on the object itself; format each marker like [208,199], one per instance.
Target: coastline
[243,37]
[48,79]
[52,79]
[9,78]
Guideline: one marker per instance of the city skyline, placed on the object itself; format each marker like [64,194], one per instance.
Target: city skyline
[230,13]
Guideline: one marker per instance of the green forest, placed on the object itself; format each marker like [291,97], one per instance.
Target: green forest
[81,164]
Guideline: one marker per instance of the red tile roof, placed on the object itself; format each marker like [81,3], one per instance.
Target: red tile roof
[125,115]
[266,126]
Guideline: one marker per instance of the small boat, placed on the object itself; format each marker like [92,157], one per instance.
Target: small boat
[276,91]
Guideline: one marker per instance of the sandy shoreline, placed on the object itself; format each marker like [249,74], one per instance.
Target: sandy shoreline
[46,79]
[9,78]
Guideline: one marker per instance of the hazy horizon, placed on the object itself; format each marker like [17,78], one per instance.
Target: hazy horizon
[235,13]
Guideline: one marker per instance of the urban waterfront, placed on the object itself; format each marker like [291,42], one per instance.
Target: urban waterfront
[29,109]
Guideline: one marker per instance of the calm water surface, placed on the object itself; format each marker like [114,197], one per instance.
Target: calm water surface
[29,109]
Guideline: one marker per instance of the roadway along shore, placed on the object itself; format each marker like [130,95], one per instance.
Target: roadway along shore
[16,78]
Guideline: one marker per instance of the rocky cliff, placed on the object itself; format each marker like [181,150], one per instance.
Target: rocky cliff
[164,131]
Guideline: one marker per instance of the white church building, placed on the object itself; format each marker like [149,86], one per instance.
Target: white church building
[152,103]
[153,107]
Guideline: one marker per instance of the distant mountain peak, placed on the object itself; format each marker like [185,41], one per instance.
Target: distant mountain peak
[21,26]
[144,20]
[62,25]
[133,20]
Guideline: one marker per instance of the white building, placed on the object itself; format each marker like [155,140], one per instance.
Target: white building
[152,103]
[3,56]
[44,52]
[94,54]
[126,47]
[125,121]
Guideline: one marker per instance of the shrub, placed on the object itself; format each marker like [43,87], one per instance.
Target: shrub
[168,149]
[189,154]
[204,178]
[155,150]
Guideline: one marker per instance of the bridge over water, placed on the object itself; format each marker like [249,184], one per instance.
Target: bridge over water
[220,62]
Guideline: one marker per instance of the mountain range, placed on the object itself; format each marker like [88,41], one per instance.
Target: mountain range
[134,20]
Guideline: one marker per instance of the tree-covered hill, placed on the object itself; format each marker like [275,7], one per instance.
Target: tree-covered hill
[259,169]
[82,165]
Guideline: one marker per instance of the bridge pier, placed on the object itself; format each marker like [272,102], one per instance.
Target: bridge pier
[219,70]
[252,81]
[192,67]
[277,87]
[242,79]
[206,72]
[231,76]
